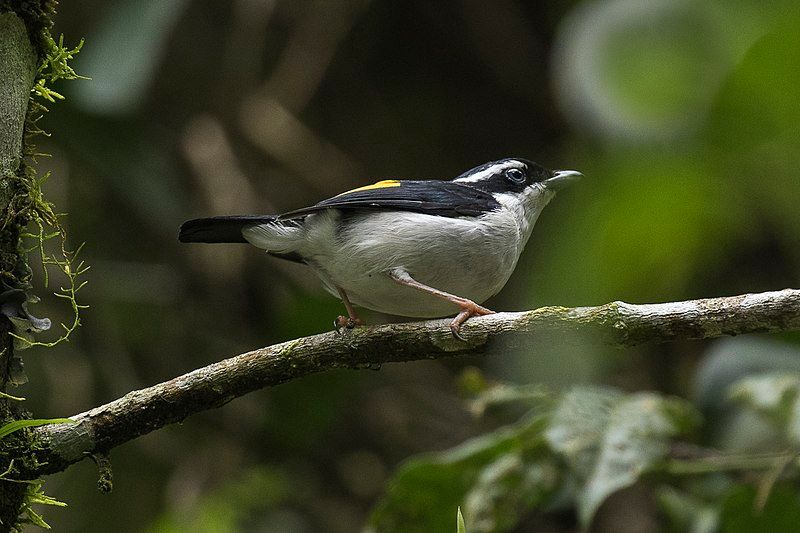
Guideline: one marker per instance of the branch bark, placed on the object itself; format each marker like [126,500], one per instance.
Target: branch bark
[616,324]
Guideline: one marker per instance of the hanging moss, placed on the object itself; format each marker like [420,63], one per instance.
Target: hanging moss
[28,205]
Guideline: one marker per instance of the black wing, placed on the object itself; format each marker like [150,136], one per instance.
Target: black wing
[442,198]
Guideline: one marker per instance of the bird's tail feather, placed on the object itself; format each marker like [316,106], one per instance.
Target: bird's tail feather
[220,229]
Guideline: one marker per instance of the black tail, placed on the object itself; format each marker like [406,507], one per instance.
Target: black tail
[219,229]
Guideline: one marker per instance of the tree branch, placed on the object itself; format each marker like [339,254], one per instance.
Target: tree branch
[617,323]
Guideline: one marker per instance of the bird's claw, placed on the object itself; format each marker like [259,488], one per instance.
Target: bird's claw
[345,322]
[469,309]
[455,329]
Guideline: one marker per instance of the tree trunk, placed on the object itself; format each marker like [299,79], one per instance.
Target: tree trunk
[18,61]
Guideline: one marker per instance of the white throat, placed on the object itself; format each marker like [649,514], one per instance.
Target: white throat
[526,210]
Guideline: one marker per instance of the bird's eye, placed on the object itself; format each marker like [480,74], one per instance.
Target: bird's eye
[515,175]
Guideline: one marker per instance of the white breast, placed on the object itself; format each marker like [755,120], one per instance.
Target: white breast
[469,257]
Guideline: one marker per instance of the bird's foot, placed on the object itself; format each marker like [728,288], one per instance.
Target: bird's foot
[468,309]
[347,322]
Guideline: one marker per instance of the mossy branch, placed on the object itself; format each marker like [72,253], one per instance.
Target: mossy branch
[617,324]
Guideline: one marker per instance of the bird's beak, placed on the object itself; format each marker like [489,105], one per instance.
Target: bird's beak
[562,178]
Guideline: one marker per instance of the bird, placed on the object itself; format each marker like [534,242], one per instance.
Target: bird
[413,248]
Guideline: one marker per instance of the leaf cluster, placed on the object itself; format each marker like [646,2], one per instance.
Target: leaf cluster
[571,451]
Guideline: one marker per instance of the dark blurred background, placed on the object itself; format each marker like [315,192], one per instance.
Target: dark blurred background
[683,115]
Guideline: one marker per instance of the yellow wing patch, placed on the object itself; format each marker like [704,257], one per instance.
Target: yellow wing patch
[383,184]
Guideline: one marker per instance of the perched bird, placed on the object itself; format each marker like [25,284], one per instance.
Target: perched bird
[405,247]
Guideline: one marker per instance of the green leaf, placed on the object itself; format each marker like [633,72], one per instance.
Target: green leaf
[16,425]
[595,442]
[422,491]
[637,436]
[460,526]
[501,394]
[774,395]
[686,512]
[509,488]
[577,426]
[610,439]
[769,393]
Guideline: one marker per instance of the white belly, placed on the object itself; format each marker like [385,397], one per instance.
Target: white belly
[468,258]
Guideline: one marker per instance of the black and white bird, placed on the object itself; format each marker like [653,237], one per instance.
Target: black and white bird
[406,247]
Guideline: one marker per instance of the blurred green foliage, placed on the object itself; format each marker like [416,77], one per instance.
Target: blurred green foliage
[684,117]
[781,512]
[592,443]
[232,506]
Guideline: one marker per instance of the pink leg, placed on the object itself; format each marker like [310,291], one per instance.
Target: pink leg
[351,320]
[468,307]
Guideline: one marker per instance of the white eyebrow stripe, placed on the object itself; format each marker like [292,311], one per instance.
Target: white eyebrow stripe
[483,174]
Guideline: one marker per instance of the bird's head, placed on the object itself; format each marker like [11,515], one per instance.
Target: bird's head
[519,181]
